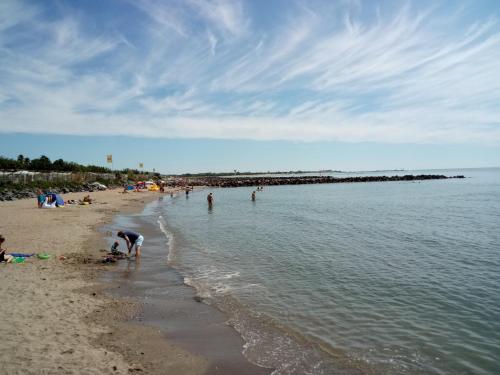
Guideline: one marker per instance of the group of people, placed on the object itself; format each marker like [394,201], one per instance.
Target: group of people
[51,200]
[253,196]
[132,239]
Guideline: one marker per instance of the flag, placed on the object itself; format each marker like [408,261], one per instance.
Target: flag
[141,165]
[109,158]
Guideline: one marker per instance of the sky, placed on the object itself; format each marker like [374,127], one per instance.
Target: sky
[199,85]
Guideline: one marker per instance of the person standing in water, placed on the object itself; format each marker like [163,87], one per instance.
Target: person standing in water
[132,238]
[210,199]
[253,196]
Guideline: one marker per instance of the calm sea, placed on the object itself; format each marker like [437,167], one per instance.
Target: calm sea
[382,278]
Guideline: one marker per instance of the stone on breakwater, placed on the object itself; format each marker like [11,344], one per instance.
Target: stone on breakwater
[263,181]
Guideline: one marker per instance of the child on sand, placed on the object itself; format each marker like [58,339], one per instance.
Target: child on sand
[4,257]
[114,249]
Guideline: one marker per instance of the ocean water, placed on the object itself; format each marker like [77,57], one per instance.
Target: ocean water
[371,278]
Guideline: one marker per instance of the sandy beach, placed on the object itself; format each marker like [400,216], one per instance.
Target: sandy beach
[56,319]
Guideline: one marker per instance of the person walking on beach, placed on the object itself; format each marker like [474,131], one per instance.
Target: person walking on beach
[253,196]
[210,199]
[132,238]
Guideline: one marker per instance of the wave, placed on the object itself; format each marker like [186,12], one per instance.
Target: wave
[170,239]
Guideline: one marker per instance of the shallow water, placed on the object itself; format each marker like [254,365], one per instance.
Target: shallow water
[388,278]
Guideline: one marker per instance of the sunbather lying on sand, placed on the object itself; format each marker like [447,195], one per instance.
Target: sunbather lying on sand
[88,199]
[4,257]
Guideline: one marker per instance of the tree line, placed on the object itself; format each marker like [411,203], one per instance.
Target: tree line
[43,163]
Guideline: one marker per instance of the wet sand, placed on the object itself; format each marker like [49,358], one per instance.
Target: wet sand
[170,306]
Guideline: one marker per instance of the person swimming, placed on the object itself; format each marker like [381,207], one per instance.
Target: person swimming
[253,196]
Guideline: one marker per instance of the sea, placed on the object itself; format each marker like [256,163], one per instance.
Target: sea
[352,278]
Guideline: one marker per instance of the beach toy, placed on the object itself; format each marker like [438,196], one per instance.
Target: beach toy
[18,260]
[21,255]
[43,256]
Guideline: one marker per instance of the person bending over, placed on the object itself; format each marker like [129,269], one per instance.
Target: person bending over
[132,238]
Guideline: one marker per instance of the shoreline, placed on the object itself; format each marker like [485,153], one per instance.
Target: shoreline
[169,307]
[145,348]
[267,342]
[55,312]
[61,316]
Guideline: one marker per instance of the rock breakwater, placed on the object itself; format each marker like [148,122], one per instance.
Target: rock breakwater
[299,180]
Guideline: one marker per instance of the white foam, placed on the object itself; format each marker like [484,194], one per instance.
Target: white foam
[230,275]
[170,239]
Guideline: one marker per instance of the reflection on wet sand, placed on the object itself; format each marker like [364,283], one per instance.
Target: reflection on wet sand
[133,266]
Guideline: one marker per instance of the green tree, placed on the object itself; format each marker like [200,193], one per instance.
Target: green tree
[43,163]
[6,163]
[59,165]
[22,162]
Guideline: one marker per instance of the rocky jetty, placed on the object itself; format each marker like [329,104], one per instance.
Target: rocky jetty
[299,180]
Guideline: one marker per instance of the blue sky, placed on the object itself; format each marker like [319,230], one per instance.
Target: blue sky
[192,85]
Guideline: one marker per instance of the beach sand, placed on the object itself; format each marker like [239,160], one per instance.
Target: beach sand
[55,318]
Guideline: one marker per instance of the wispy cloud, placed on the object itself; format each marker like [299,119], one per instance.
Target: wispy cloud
[348,71]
